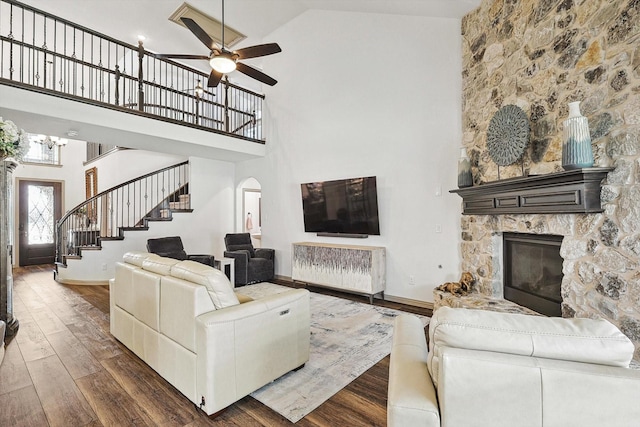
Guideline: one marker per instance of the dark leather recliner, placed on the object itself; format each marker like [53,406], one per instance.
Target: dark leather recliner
[251,265]
[171,247]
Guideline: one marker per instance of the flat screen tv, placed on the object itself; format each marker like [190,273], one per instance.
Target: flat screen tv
[344,206]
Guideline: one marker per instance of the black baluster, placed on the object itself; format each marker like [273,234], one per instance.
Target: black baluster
[117,78]
[140,76]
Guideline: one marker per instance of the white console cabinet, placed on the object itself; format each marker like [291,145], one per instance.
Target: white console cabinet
[351,268]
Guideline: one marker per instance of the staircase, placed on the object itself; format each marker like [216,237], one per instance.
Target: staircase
[130,206]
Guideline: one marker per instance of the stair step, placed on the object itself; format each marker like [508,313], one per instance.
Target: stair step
[178,205]
[178,200]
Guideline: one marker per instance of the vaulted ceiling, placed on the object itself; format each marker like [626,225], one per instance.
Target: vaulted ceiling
[257,19]
[126,19]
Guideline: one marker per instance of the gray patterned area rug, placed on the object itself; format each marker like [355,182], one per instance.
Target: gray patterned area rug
[347,338]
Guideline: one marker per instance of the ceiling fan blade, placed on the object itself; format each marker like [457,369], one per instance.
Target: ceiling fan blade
[180,56]
[258,50]
[255,74]
[199,33]
[214,78]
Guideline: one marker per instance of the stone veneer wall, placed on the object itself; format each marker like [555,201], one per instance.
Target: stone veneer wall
[540,55]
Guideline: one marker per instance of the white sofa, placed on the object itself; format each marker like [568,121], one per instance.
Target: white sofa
[185,321]
[495,369]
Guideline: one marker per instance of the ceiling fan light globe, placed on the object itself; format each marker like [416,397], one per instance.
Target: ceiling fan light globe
[222,64]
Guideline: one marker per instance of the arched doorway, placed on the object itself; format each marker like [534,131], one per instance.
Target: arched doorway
[250,220]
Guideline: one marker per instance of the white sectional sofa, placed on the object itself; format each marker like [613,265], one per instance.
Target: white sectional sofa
[496,369]
[185,321]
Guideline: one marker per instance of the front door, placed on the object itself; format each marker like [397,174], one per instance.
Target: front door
[39,207]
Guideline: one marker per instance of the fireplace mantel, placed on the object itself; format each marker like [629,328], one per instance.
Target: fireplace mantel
[572,191]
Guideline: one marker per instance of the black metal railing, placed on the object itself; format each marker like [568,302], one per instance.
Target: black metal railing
[128,206]
[47,53]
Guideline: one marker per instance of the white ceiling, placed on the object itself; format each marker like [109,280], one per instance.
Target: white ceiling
[126,19]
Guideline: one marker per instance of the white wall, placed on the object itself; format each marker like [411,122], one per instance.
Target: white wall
[359,95]
[202,231]
[124,165]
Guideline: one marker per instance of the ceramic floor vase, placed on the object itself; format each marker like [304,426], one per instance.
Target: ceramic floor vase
[465,178]
[576,148]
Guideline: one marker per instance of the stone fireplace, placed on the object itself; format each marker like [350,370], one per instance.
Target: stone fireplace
[532,271]
[540,55]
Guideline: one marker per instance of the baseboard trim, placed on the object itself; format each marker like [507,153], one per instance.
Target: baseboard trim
[387,297]
[409,301]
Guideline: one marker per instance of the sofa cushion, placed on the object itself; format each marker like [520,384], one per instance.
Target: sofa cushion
[245,247]
[159,265]
[146,295]
[580,340]
[179,255]
[219,287]
[137,257]
[242,298]
[181,301]
[120,290]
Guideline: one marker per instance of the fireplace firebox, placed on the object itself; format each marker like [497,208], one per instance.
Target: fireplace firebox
[533,271]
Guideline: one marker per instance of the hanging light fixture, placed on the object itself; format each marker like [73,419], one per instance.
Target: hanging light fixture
[50,141]
[224,62]
[199,89]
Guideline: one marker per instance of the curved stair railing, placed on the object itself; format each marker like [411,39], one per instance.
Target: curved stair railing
[125,207]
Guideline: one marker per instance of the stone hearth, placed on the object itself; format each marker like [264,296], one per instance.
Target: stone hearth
[540,55]
[478,301]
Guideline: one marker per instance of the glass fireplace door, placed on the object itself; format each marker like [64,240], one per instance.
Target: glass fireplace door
[533,271]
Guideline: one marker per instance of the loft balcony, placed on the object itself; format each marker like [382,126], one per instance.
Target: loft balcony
[57,74]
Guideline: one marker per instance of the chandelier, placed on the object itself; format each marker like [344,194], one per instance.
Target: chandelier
[50,141]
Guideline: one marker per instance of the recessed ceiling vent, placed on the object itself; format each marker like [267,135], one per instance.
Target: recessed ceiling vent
[212,26]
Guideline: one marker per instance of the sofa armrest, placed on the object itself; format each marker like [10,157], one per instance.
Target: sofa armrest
[412,397]
[489,388]
[265,253]
[241,264]
[243,347]
[202,259]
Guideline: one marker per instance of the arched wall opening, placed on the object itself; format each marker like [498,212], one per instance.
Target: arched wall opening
[249,209]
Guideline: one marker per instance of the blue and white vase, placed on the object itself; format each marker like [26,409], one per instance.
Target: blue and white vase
[576,148]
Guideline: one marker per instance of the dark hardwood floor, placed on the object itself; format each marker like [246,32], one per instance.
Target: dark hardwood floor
[64,368]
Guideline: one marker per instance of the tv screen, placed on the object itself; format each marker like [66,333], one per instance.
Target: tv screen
[343,206]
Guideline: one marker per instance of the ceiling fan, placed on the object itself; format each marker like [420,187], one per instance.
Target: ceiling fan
[224,61]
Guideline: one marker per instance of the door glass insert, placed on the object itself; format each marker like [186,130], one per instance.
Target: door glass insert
[41,214]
